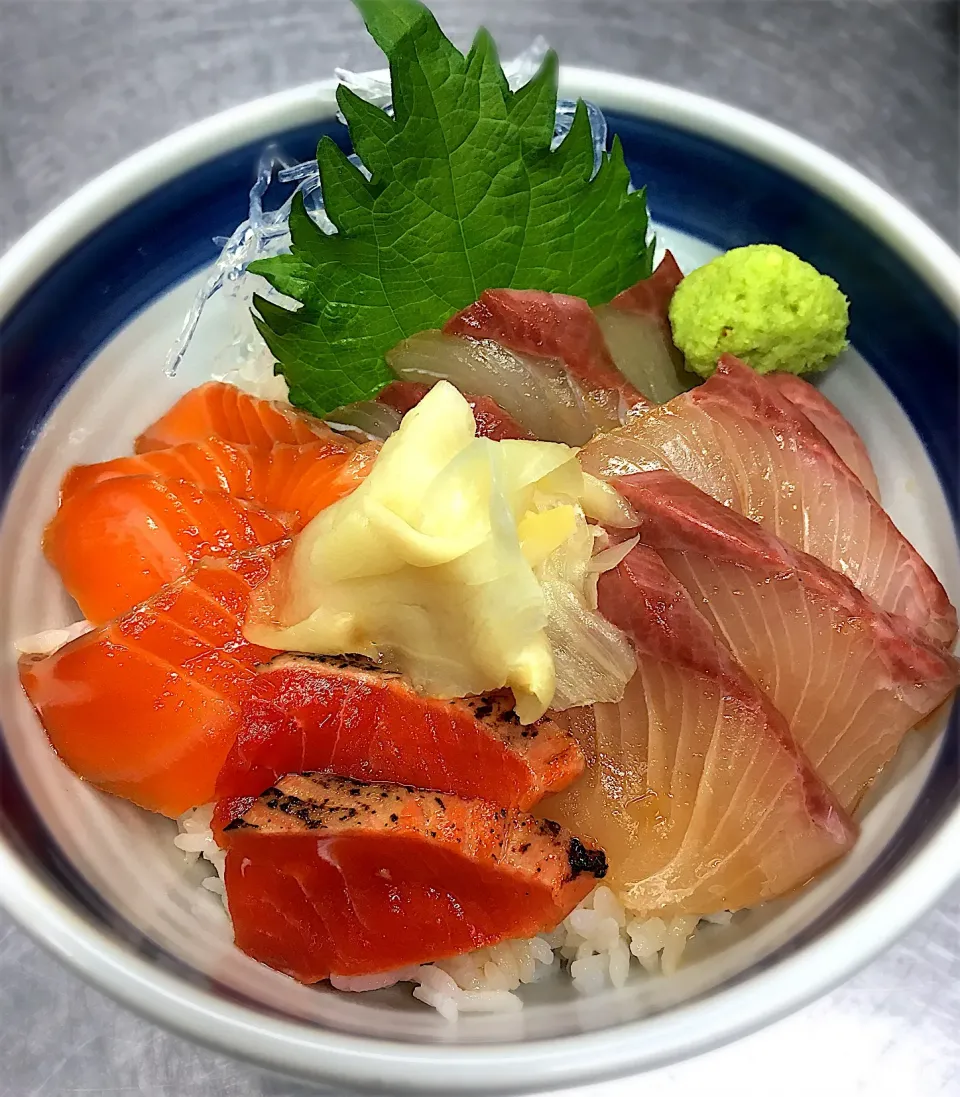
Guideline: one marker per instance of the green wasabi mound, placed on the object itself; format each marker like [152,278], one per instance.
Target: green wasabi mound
[765,305]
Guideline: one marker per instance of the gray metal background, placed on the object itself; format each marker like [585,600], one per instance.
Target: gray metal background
[85,82]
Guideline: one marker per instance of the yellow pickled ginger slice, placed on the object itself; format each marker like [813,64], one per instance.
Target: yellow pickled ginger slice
[433,564]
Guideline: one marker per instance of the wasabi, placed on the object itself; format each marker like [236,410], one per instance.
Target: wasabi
[765,305]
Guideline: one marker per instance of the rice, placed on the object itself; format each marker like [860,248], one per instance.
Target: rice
[595,946]
[51,639]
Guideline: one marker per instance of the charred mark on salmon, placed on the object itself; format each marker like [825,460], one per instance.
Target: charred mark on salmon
[582,859]
[396,878]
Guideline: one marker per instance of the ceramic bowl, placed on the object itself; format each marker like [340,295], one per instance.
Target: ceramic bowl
[91,299]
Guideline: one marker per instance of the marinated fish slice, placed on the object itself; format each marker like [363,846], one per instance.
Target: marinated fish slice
[118,542]
[147,707]
[738,439]
[559,327]
[694,786]
[492,421]
[538,393]
[850,680]
[831,424]
[325,875]
[636,328]
[218,410]
[347,715]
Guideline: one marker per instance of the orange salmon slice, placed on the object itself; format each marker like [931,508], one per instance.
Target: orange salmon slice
[118,542]
[147,707]
[328,876]
[219,410]
[297,481]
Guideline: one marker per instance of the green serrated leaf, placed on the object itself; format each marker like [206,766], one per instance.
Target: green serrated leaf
[465,195]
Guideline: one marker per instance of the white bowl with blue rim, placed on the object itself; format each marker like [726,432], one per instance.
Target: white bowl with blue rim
[90,302]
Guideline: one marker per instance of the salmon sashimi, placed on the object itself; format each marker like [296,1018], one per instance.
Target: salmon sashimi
[347,715]
[295,481]
[492,421]
[147,707]
[831,424]
[218,410]
[738,439]
[636,329]
[326,876]
[118,542]
[558,327]
[694,786]
[849,679]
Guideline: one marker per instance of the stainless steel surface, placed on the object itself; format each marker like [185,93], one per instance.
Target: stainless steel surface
[85,82]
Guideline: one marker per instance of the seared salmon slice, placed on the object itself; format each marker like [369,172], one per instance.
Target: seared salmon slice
[298,481]
[850,680]
[694,786]
[147,707]
[218,410]
[328,876]
[346,715]
[118,542]
[740,440]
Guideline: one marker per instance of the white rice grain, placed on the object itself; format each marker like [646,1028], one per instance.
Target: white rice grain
[51,639]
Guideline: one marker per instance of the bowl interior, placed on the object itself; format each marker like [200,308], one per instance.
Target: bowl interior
[100,330]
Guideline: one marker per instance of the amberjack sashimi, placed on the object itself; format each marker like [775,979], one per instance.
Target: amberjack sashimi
[147,707]
[636,328]
[327,876]
[850,680]
[740,440]
[559,327]
[694,786]
[831,424]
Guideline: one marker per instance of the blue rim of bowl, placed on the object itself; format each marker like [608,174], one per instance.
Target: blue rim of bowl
[132,256]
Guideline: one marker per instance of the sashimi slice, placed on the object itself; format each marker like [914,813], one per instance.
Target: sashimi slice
[831,424]
[296,481]
[694,786]
[347,715]
[118,542]
[554,326]
[367,419]
[738,439]
[218,410]
[636,328]
[327,876]
[538,393]
[850,680]
[147,707]
[492,421]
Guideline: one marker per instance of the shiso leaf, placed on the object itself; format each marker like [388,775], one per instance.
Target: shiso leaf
[465,195]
